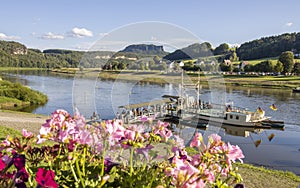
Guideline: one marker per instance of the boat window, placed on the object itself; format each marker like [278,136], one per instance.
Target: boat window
[231,116]
[237,117]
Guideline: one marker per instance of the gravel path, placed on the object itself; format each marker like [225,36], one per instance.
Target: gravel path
[19,121]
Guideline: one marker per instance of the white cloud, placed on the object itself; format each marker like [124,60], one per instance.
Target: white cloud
[289,24]
[6,37]
[81,32]
[52,36]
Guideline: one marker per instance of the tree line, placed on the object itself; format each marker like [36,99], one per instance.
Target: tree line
[269,46]
[13,54]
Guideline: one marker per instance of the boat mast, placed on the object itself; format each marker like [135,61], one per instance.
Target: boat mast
[181,64]
[198,90]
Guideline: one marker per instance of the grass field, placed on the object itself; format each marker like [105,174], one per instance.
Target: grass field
[19,68]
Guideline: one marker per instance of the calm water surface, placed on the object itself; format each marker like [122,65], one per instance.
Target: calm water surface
[282,152]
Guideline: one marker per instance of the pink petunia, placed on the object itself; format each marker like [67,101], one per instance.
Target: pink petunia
[2,163]
[27,134]
[144,118]
[197,140]
[19,161]
[45,178]
[234,152]
[161,129]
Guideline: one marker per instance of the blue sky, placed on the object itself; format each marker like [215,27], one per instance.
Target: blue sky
[79,24]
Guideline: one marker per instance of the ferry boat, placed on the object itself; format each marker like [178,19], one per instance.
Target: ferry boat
[243,118]
[226,114]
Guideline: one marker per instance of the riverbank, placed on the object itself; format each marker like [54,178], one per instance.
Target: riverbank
[254,177]
[15,96]
[159,77]
[20,120]
[278,82]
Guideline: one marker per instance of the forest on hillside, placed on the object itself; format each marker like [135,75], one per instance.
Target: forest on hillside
[14,54]
[269,46]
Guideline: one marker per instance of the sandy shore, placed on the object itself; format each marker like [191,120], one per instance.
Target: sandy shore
[19,121]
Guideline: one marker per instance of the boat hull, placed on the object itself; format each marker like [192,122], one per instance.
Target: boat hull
[296,90]
[221,120]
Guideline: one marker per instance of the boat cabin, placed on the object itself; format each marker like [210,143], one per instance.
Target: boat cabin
[237,116]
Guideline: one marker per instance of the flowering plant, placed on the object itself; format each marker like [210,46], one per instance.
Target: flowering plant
[69,152]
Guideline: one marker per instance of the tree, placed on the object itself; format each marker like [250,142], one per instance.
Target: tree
[222,49]
[156,59]
[297,68]
[287,59]
[226,68]
[249,68]
[151,64]
[278,67]
[122,66]
[265,66]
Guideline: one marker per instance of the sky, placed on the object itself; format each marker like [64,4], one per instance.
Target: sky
[79,25]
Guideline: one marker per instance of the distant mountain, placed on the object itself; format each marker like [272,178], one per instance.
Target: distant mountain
[269,46]
[191,52]
[145,49]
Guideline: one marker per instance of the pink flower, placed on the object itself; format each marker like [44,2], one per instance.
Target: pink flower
[22,175]
[196,160]
[162,130]
[2,163]
[196,184]
[129,134]
[79,119]
[27,134]
[19,161]
[133,134]
[197,140]
[210,177]
[144,118]
[40,139]
[6,142]
[234,152]
[184,174]
[85,137]
[214,139]
[45,178]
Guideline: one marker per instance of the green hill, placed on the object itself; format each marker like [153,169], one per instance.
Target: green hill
[191,52]
[269,46]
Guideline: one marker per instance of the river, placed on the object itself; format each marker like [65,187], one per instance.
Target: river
[282,152]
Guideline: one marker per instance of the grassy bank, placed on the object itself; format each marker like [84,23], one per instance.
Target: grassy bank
[281,82]
[260,177]
[12,103]
[233,80]
[14,96]
[19,68]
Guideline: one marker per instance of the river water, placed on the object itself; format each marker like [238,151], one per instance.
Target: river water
[282,152]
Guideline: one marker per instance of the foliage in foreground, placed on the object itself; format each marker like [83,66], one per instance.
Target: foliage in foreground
[110,154]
